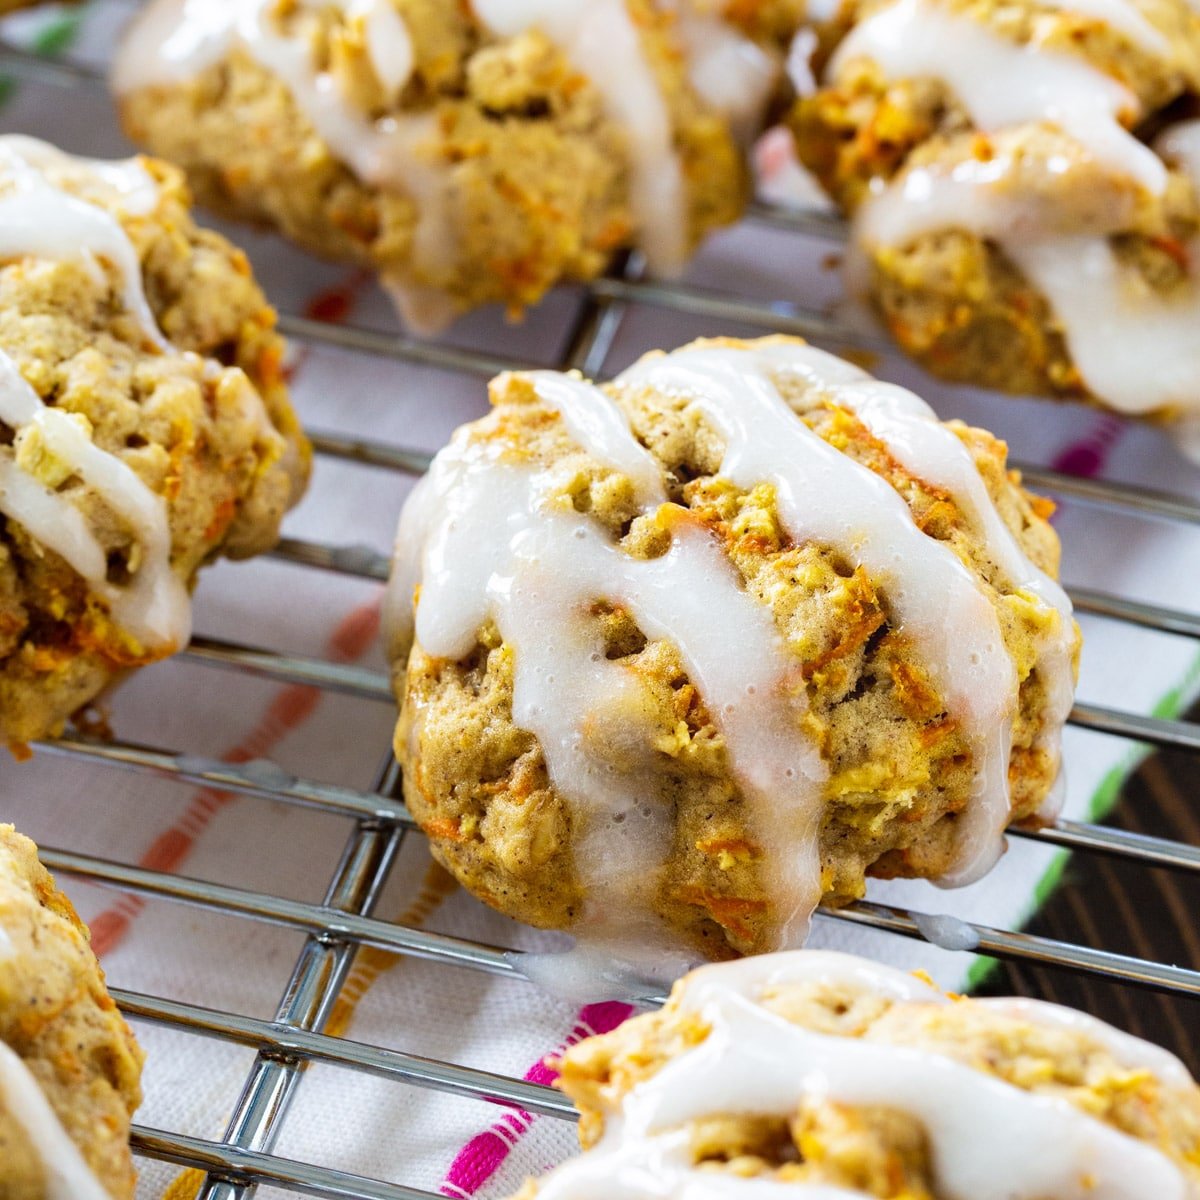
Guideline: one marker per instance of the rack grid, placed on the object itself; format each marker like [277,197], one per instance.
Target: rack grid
[344,920]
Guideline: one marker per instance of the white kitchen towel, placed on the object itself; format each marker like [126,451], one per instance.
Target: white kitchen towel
[371,1126]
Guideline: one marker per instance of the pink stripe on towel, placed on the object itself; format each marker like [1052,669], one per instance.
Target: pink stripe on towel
[1087,456]
[486,1152]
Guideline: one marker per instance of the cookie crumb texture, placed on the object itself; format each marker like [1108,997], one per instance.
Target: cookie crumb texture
[819,1071]
[59,1020]
[1025,186]
[468,153]
[673,672]
[145,427]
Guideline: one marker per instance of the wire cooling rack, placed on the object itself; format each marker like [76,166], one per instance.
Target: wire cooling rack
[343,921]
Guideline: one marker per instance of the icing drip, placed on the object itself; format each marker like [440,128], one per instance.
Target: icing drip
[154,605]
[799,62]
[67,1176]
[731,74]
[1113,322]
[934,598]
[1180,144]
[482,538]
[946,932]
[755,1062]
[38,219]
[601,40]
[388,43]
[599,426]
[1137,349]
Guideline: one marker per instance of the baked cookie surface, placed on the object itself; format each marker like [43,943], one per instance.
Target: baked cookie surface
[146,427]
[819,1074]
[1026,198]
[701,648]
[69,1066]
[467,153]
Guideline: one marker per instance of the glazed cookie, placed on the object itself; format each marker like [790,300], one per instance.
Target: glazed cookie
[145,427]
[1027,214]
[699,649]
[70,1069]
[825,1076]
[468,153]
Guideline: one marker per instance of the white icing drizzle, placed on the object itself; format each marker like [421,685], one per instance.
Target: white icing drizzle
[66,1175]
[40,219]
[482,538]
[174,40]
[799,62]
[754,1061]
[601,40]
[658,1171]
[934,598]
[1180,145]
[1113,322]
[599,426]
[154,605]
[1137,350]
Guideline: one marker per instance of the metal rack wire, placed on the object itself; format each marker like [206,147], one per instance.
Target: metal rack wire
[344,920]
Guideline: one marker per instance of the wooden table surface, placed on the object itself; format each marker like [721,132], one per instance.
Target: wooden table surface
[1132,909]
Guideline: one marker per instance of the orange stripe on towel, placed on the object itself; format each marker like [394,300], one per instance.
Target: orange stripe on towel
[292,707]
[369,965]
[185,1186]
[372,962]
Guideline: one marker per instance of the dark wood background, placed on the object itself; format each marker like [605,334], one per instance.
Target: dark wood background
[1130,909]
